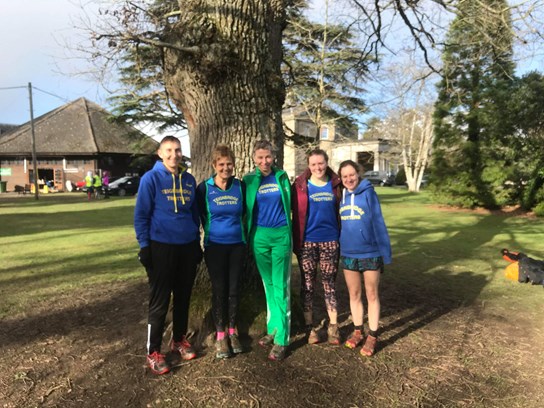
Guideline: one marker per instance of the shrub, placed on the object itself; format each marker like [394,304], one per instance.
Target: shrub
[400,178]
[539,210]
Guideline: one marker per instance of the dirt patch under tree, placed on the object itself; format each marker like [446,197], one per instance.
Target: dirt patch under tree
[87,350]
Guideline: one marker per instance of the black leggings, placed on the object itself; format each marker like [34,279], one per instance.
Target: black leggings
[225,264]
[173,271]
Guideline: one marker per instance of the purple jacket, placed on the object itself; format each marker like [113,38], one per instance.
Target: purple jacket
[299,203]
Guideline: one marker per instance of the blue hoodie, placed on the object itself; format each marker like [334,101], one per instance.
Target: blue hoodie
[363,233]
[162,213]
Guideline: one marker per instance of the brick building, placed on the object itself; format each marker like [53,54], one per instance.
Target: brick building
[70,141]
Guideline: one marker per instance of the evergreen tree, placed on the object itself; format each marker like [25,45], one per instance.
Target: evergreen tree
[527,111]
[472,158]
[144,98]
[323,69]
[321,66]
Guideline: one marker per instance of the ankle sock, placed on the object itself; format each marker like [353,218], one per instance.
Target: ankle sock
[232,331]
[220,335]
[373,333]
[360,328]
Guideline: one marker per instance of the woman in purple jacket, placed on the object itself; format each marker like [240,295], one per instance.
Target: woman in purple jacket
[315,200]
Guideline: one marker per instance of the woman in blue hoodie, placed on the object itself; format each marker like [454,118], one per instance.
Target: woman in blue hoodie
[167,229]
[364,249]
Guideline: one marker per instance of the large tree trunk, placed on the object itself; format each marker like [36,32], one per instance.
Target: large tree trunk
[230,89]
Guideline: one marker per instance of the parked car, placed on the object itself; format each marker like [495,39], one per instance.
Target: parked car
[378,178]
[123,186]
[424,181]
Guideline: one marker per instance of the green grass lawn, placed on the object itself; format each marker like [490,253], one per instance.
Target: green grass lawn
[456,254]
[62,242]
[454,331]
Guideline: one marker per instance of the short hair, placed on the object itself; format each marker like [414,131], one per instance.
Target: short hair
[317,152]
[222,150]
[169,139]
[263,144]
[351,163]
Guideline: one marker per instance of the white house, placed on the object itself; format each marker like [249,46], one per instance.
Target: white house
[340,144]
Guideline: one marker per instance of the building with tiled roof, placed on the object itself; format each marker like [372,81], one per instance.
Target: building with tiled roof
[70,141]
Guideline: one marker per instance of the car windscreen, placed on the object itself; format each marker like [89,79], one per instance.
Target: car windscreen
[119,181]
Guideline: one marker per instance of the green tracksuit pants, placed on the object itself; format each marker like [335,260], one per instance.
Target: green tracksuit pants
[272,250]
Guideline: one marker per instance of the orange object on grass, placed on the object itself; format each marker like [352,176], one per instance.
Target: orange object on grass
[511,272]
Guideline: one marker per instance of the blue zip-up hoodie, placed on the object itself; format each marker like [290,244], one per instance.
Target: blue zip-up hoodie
[166,208]
[363,233]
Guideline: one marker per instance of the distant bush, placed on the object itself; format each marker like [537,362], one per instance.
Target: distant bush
[533,196]
[539,210]
[400,178]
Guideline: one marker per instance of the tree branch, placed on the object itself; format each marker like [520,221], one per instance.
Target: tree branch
[140,39]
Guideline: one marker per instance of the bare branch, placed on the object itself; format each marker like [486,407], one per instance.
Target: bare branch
[142,38]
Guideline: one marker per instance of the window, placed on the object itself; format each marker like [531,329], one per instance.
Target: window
[49,161]
[324,132]
[19,162]
[304,129]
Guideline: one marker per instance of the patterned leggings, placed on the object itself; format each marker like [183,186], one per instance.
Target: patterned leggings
[326,253]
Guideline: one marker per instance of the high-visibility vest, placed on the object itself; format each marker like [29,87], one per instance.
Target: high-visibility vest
[97,181]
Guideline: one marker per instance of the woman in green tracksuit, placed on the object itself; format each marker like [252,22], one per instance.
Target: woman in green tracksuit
[268,209]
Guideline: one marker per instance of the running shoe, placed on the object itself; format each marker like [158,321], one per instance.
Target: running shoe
[157,363]
[183,348]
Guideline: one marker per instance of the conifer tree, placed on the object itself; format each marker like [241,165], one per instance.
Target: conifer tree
[143,97]
[324,69]
[527,111]
[471,157]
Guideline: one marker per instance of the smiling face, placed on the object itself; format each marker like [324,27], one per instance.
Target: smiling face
[170,153]
[263,159]
[318,166]
[349,177]
[224,168]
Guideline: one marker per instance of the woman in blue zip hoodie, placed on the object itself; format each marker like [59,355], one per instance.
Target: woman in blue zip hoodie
[364,249]
[167,229]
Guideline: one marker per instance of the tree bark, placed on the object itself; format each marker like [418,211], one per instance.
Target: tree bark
[231,90]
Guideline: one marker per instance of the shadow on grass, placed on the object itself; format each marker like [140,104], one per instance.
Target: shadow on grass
[97,343]
[417,289]
[36,222]
[425,282]
[46,200]
[72,266]
[424,279]
[100,315]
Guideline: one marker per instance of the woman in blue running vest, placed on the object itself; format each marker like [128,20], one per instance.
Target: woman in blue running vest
[221,205]
[364,249]
[315,198]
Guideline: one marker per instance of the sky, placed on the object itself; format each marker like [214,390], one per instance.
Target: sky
[32,49]
[33,32]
